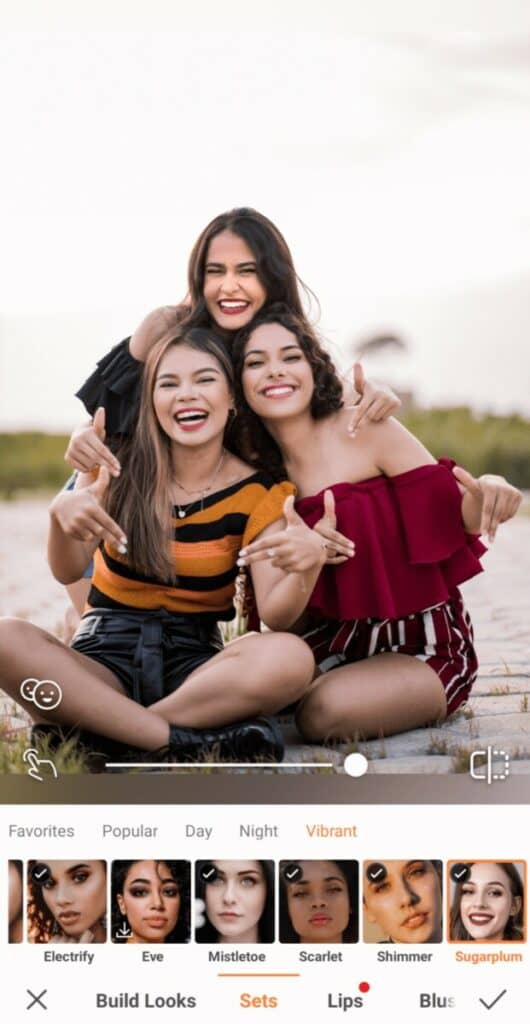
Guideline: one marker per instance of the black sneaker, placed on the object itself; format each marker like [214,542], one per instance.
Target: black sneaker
[257,739]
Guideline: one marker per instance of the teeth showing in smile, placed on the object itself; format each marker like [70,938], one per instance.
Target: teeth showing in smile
[279,390]
[190,417]
[235,304]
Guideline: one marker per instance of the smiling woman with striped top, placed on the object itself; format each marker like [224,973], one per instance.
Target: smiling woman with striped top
[146,667]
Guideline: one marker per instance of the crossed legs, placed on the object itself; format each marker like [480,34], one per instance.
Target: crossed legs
[256,675]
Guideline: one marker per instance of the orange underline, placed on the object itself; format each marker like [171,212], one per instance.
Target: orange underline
[258,975]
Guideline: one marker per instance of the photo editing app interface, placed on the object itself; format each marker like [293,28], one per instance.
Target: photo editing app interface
[221,638]
[322,911]
[254,620]
[264,563]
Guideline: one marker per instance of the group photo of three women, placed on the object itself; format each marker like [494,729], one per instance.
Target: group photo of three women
[229,472]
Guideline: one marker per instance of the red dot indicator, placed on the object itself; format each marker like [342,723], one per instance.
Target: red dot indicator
[364,987]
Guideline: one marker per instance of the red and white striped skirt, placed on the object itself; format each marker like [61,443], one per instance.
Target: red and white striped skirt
[441,636]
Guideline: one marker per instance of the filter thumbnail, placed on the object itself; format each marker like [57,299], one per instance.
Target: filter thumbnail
[318,901]
[235,901]
[67,901]
[402,901]
[15,911]
[487,901]
[150,901]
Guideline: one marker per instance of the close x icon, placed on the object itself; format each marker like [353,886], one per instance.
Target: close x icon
[36,1000]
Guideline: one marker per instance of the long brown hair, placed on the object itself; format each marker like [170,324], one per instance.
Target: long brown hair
[514,929]
[139,500]
[275,269]
[274,263]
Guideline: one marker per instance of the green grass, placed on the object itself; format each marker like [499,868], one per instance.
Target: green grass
[67,758]
[483,444]
[32,461]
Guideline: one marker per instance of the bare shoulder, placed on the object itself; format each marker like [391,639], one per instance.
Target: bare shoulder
[162,319]
[393,448]
[153,327]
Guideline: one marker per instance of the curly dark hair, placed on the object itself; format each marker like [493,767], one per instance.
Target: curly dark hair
[514,930]
[42,925]
[180,871]
[259,448]
[207,933]
[349,871]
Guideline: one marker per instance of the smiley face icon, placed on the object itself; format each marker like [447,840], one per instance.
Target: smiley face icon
[45,694]
[27,688]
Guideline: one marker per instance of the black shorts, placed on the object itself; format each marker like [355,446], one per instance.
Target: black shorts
[152,653]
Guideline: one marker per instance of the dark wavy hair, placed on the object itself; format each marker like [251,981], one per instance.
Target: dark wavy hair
[207,933]
[257,444]
[348,870]
[179,871]
[274,262]
[514,930]
[42,925]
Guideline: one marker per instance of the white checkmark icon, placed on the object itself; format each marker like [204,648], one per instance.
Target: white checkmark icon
[460,874]
[376,874]
[41,874]
[209,875]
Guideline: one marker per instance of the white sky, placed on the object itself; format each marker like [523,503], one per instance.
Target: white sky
[395,159]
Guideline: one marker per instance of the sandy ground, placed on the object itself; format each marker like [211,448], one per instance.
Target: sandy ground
[499,600]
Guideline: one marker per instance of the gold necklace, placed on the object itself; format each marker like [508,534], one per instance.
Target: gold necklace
[182,512]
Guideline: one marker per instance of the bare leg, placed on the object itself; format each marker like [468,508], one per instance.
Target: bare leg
[379,696]
[93,696]
[256,675]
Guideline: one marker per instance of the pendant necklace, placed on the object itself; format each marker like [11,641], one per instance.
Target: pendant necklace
[203,491]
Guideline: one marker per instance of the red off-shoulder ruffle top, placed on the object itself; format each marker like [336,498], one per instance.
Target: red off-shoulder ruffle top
[411,548]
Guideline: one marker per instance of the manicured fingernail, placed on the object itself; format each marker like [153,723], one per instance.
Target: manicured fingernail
[243,552]
[241,562]
[122,550]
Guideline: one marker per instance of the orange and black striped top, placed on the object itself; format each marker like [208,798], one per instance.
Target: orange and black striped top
[205,545]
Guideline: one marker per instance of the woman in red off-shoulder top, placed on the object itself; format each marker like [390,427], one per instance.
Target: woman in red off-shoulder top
[386,622]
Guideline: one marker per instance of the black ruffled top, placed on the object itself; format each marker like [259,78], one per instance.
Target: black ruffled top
[115,384]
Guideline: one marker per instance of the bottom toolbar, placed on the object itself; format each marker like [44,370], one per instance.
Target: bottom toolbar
[152,912]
